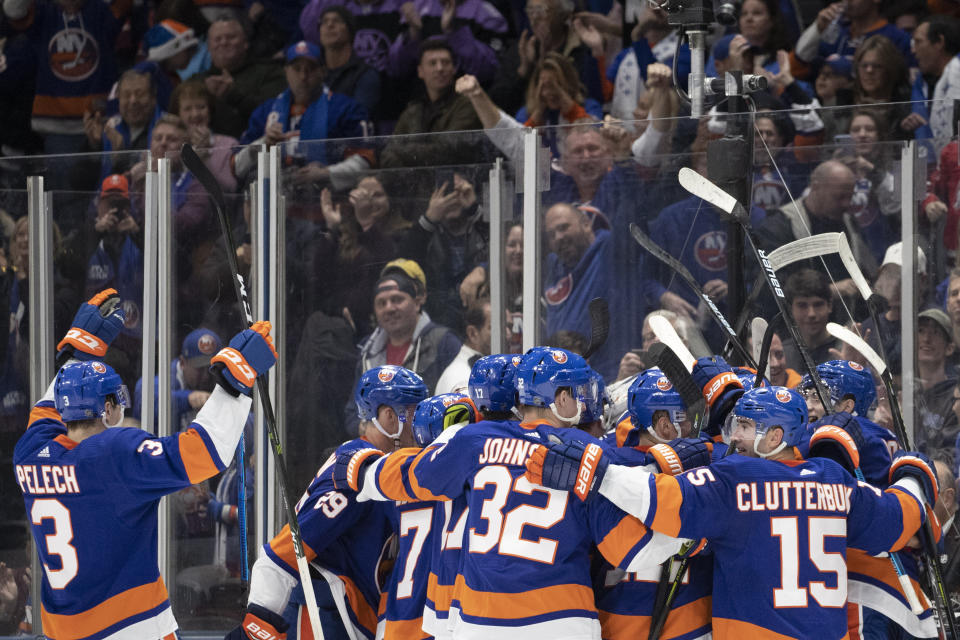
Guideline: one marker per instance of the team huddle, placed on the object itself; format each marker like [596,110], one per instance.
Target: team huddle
[504,511]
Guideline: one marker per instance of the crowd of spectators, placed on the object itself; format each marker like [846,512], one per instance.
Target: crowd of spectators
[388,115]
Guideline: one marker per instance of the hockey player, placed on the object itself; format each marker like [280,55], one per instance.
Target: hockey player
[655,413]
[525,568]
[779,526]
[92,492]
[491,385]
[342,538]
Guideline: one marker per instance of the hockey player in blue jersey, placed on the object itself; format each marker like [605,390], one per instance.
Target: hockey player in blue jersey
[92,491]
[778,525]
[525,570]
[342,538]
[877,608]
[655,413]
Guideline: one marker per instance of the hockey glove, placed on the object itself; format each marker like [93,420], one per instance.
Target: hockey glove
[97,323]
[250,354]
[568,466]
[259,623]
[221,511]
[721,389]
[682,454]
[839,438]
[913,464]
[349,468]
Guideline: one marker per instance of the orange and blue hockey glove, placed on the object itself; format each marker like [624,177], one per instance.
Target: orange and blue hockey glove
[839,438]
[98,321]
[349,468]
[259,623]
[568,466]
[913,464]
[682,454]
[250,354]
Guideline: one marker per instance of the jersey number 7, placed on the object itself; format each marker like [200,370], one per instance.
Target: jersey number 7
[791,594]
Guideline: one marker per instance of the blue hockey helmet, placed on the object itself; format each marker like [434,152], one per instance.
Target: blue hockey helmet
[436,413]
[543,371]
[593,409]
[82,389]
[765,408]
[748,377]
[491,384]
[389,385]
[652,391]
[845,378]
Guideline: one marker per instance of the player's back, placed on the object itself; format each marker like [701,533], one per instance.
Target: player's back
[405,592]
[93,507]
[449,521]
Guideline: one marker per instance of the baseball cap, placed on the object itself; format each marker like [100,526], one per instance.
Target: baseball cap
[841,65]
[303,49]
[199,346]
[894,255]
[409,268]
[167,39]
[721,48]
[115,184]
[941,318]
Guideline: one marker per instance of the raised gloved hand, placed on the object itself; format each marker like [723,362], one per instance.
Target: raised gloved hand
[568,466]
[721,389]
[250,354]
[913,464]
[97,323]
[349,468]
[838,437]
[682,454]
[259,623]
[221,511]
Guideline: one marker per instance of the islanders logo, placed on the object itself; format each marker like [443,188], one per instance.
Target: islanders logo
[559,356]
[664,384]
[99,367]
[856,366]
[206,344]
[73,54]
[783,396]
[386,375]
[710,250]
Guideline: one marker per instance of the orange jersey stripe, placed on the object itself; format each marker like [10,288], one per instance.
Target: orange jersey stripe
[44,413]
[440,594]
[681,620]
[390,479]
[911,517]
[624,427]
[523,604]
[364,613]
[725,629]
[404,629]
[669,497]
[107,613]
[63,106]
[881,570]
[196,458]
[621,539]
[66,442]
[282,545]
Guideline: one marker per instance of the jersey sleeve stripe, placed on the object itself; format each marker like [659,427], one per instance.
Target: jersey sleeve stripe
[912,518]
[669,497]
[41,411]
[109,612]
[363,613]
[879,571]
[622,539]
[726,628]
[523,604]
[196,457]
[390,476]
[280,550]
[421,492]
[692,618]
[441,595]
[412,629]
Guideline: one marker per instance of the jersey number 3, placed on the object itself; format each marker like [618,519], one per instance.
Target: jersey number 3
[791,594]
[58,542]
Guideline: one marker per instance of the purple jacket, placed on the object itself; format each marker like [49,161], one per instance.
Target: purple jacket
[378,25]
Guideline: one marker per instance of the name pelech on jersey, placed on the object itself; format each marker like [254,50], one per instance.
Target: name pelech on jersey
[343,536]
[525,567]
[779,532]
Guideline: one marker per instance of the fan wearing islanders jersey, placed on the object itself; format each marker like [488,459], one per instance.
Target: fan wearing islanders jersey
[342,538]
[878,607]
[655,416]
[525,565]
[779,526]
[92,489]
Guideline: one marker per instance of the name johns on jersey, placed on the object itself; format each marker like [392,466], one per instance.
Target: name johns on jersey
[49,479]
[786,495]
[506,451]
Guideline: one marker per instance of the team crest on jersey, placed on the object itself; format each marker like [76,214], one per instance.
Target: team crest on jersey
[206,344]
[73,54]
[131,314]
[783,396]
[664,384]
[99,367]
[558,293]
[385,375]
[856,366]
[372,47]
[559,356]
[710,250]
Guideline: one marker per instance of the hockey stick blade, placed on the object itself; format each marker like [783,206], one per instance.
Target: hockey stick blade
[765,344]
[859,344]
[699,186]
[678,267]
[666,334]
[202,173]
[599,325]
[678,374]
[758,329]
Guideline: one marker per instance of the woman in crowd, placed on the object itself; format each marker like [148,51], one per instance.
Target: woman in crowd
[194,104]
[880,76]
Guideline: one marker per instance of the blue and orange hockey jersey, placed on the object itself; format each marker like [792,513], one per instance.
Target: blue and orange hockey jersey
[525,569]
[405,591]
[450,519]
[779,531]
[341,535]
[93,510]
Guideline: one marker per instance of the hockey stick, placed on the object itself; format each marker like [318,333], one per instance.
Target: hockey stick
[679,375]
[599,325]
[647,243]
[203,175]
[728,205]
[765,344]
[758,329]
[878,365]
